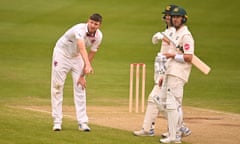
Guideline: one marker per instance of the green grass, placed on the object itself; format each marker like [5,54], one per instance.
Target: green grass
[29,30]
[26,127]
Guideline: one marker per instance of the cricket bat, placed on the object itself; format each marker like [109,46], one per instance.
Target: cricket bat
[198,63]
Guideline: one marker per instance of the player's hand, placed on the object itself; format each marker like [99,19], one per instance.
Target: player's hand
[82,81]
[88,69]
[156,37]
[160,82]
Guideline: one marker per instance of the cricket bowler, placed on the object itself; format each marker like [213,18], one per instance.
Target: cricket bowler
[71,56]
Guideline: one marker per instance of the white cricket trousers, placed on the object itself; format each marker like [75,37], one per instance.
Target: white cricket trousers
[174,93]
[61,66]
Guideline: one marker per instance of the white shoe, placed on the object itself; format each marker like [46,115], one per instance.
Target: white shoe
[57,127]
[144,133]
[168,140]
[84,127]
[185,131]
[164,135]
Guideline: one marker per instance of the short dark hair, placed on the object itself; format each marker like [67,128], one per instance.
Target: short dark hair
[96,17]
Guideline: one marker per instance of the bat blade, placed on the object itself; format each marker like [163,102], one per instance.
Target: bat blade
[199,64]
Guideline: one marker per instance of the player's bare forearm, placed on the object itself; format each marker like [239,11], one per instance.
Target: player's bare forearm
[169,55]
[91,55]
[87,68]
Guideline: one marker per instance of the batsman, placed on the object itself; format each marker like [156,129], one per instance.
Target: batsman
[178,70]
[157,95]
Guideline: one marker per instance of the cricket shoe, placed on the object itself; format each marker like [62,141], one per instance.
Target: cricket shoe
[57,127]
[164,135]
[84,127]
[144,133]
[185,131]
[168,140]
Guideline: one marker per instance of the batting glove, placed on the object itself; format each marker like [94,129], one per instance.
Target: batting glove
[156,37]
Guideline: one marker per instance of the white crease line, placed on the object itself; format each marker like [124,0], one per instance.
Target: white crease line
[43,111]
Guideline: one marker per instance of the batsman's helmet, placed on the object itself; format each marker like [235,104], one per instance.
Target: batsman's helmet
[179,11]
[168,9]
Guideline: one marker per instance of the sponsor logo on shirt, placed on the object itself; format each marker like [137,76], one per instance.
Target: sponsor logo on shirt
[186,46]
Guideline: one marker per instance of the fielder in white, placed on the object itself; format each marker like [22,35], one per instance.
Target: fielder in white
[70,55]
[177,73]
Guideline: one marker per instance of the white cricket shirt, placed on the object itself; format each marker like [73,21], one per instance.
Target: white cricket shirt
[184,39]
[67,43]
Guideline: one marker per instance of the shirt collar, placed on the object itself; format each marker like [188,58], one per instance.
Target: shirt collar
[88,34]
